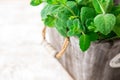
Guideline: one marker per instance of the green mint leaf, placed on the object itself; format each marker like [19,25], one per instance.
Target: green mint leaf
[78,0]
[74,27]
[71,4]
[87,13]
[35,2]
[107,5]
[105,23]
[91,28]
[49,21]
[82,2]
[61,26]
[49,10]
[56,1]
[61,21]
[101,6]
[69,23]
[89,22]
[63,1]
[71,28]
[52,1]
[76,23]
[71,7]
[84,42]
[97,6]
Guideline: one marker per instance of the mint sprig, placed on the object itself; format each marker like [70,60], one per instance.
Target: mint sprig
[89,20]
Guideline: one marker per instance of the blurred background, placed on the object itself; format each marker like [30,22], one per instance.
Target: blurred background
[21,55]
[19,22]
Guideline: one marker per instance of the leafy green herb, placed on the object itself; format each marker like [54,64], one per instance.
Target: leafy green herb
[101,6]
[87,13]
[49,21]
[84,42]
[75,28]
[35,2]
[105,23]
[88,20]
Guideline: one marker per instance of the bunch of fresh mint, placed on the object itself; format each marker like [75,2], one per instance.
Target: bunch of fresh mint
[89,20]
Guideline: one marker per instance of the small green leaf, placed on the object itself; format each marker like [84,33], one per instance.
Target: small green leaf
[74,27]
[76,23]
[69,23]
[105,23]
[35,2]
[52,1]
[84,42]
[61,27]
[61,21]
[97,6]
[49,10]
[87,13]
[91,28]
[70,4]
[89,22]
[56,1]
[101,6]
[82,2]
[78,1]
[49,21]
